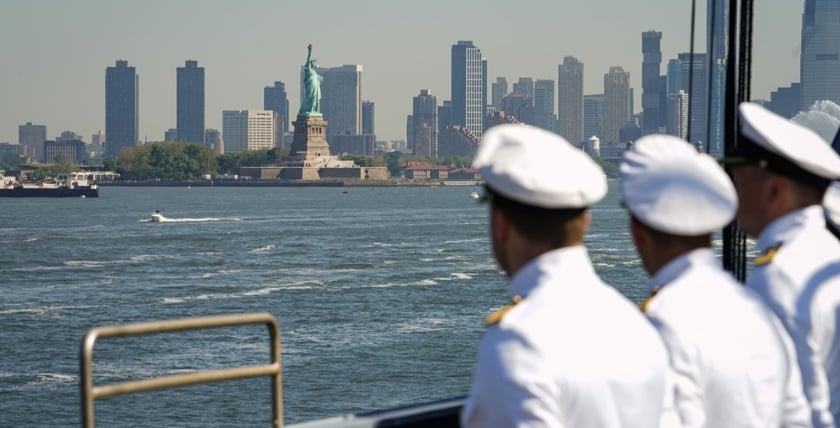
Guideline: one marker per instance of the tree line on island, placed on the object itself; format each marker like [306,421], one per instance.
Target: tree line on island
[169,161]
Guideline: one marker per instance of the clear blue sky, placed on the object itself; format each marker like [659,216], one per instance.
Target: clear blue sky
[53,53]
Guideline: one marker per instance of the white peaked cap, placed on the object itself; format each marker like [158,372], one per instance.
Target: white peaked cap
[539,168]
[670,187]
[831,202]
[795,143]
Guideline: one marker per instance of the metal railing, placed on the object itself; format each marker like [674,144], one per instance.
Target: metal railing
[90,393]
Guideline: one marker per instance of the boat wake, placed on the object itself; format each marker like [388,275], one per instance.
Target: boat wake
[162,219]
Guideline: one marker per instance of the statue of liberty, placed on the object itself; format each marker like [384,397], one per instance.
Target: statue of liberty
[311,103]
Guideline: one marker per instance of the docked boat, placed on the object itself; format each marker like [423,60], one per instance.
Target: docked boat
[67,185]
[474,195]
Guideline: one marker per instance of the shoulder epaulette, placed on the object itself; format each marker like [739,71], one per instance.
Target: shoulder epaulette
[497,316]
[643,306]
[767,256]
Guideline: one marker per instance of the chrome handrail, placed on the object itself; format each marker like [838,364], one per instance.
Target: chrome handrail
[90,392]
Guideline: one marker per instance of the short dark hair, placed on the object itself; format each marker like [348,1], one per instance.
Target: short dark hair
[548,225]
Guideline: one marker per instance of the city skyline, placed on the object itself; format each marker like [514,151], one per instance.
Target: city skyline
[54,76]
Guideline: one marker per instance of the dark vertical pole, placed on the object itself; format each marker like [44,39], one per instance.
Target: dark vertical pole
[737,91]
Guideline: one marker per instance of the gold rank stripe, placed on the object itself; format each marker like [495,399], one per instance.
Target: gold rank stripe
[497,316]
[768,255]
[643,306]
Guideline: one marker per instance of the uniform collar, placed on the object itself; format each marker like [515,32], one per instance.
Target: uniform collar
[562,261]
[673,269]
[789,225]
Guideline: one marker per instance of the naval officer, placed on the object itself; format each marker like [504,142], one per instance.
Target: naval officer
[781,171]
[731,360]
[568,350]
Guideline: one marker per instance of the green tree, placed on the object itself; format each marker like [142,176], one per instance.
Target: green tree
[11,161]
[392,161]
[610,169]
[66,164]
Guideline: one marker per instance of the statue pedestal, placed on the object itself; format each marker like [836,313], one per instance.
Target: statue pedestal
[310,142]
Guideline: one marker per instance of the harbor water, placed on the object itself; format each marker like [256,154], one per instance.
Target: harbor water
[380,294]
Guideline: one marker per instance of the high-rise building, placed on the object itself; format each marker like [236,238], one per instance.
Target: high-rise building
[68,136]
[524,87]
[469,87]
[97,142]
[444,115]
[593,115]
[616,103]
[72,150]
[517,104]
[651,64]
[785,101]
[276,99]
[247,130]
[697,94]
[675,83]
[544,116]
[122,108]
[820,54]
[31,139]
[341,98]
[570,100]
[499,90]
[213,140]
[190,121]
[368,118]
[425,123]
[678,114]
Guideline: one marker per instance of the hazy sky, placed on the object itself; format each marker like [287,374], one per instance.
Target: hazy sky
[53,53]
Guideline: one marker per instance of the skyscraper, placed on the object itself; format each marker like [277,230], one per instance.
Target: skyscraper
[593,115]
[697,94]
[675,83]
[524,88]
[499,89]
[544,104]
[570,99]
[190,121]
[122,108]
[425,125]
[820,58]
[31,139]
[368,122]
[247,130]
[651,62]
[276,100]
[678,114]
[213,140]
[616,103]
[341,98]
[469,87]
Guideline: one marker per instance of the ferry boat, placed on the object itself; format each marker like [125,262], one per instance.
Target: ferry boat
[66,185]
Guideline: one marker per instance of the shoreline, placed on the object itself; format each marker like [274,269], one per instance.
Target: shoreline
[274,183]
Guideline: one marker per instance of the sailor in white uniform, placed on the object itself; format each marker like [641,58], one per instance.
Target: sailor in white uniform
[731,360]
[781,171]
[568,351]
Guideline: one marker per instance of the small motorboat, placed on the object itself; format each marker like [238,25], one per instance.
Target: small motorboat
[474,195]
[157,217]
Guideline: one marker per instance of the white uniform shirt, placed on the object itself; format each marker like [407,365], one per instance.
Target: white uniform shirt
[802,286]
[731,360]
[572,353]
